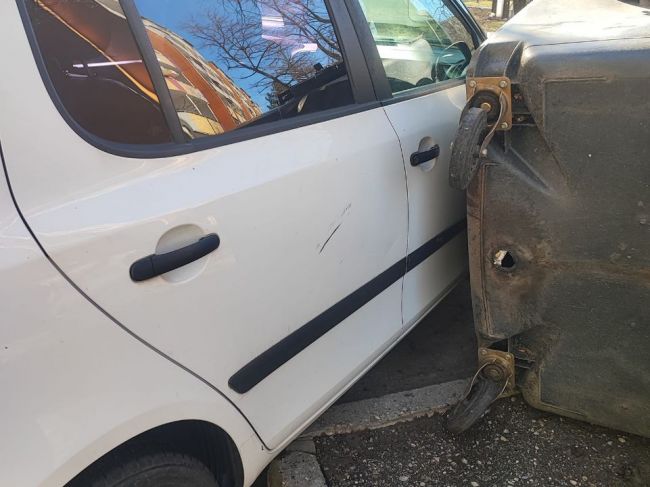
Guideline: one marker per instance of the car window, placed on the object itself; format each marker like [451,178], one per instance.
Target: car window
[230,64]
[420,42]
[97,71]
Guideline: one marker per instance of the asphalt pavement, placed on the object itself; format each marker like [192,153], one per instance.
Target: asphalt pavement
[513,445]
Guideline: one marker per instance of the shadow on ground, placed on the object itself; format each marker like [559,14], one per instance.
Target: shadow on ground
[441,348]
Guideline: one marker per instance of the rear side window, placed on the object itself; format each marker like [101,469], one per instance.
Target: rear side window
[96,68]
[237,63]
[223,65]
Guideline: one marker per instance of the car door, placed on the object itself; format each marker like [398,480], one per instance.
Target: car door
[180,128]
[419,50]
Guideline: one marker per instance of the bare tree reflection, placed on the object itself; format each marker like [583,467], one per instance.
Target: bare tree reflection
[274,43]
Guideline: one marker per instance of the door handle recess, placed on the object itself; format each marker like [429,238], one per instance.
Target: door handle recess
[420,157]
[156,264]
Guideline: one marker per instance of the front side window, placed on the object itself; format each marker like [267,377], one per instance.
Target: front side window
[97,71]
[230,64]
[420,42]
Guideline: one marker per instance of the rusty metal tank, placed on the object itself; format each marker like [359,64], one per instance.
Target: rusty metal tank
[559,208]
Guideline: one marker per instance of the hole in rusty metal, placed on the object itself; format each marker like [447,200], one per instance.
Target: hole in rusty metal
[503,259]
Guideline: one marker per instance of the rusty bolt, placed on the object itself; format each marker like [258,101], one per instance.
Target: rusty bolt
[486,107]
[504,125]
[503,83]
[484,152]
[494,372]
[472,83]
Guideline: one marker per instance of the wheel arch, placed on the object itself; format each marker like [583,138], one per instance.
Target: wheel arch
[199,439]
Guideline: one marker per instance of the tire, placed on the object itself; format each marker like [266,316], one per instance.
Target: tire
[149,470]
[464,153]
[470,409]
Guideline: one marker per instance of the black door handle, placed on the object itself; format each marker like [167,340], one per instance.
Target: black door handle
[421,157]
[156,264]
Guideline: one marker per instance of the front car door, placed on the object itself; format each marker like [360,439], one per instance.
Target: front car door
[418,51]
[246,120]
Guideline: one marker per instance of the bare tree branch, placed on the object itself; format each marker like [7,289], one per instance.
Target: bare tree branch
[268,39]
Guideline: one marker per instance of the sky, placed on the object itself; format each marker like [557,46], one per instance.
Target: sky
[172,14]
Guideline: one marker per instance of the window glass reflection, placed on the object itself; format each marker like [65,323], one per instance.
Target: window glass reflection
[235,63]
[97,70]
[420,42]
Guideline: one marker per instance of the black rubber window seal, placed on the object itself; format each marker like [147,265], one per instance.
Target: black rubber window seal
[134,19]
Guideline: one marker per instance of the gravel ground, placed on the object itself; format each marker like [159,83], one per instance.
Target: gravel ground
[513,445]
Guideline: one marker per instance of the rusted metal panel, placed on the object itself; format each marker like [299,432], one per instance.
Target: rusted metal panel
[559,214]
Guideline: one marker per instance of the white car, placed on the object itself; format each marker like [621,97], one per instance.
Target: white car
[213,221]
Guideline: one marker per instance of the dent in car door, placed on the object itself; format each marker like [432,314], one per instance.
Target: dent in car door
[312,224]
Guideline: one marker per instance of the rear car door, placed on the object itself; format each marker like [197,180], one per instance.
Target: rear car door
[244,122]
[418,51]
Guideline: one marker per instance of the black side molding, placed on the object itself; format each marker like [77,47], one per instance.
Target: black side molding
[156,264]
[273,358]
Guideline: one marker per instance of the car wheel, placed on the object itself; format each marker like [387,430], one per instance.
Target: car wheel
[152,470]
[470,409]
[465,155]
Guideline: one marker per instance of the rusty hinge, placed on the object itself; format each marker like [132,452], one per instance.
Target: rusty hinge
[494,95]
[498,366]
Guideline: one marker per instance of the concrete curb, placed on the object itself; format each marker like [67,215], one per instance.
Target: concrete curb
[387,410]
[298,466]
[295,468]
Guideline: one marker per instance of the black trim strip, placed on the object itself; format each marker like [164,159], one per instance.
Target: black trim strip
[476,31]
[273,358]
[134,19]
[355,63]
[425,251]
[369,50]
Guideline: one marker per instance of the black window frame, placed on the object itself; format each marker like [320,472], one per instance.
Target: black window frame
[363,91]
[376,67]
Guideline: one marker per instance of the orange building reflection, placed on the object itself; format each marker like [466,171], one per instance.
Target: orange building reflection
[208,101]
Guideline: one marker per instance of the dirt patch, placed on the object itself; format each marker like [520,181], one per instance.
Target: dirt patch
[513,445]
[482,15]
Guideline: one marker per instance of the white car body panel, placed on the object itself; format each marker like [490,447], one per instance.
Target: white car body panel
[74,384]
[434,206]
[305,218]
